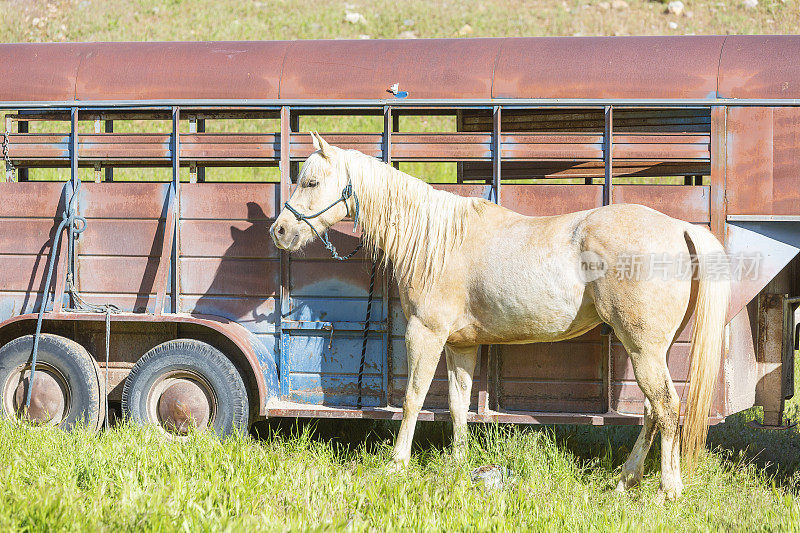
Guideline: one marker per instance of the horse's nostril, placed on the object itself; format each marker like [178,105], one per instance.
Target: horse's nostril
[280,231]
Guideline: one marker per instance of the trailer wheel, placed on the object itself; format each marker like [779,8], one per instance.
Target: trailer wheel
[184,383]
[66,386]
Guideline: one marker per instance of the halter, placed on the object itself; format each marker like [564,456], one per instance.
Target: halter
[347,192]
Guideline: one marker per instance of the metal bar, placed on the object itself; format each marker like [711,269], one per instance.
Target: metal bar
[61,266]
[201,170]
[165,259]
[387,134]
[608,159]
[23,173]
[301,104]
[109,128]
[73,171]
[294,164]
[496,153]
[176,181]
[719,165]
[192,164]
[763,218]
[283,197]
[389,124]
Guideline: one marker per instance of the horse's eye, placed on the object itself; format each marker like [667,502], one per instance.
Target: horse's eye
[311,183]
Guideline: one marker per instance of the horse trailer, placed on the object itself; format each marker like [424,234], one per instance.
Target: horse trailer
[160,290]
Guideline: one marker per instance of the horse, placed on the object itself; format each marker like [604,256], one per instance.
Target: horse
[471,272]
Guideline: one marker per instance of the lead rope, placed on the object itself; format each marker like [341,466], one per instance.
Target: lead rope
[366,333]
[77,225]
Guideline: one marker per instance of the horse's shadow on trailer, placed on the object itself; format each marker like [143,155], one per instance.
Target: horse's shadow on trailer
[241,269]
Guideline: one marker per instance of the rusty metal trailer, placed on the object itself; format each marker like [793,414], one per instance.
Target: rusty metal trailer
[706,129]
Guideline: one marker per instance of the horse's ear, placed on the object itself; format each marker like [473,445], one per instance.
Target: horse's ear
[321,145]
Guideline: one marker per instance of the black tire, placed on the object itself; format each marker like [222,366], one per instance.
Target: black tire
[214,384]
[67,388]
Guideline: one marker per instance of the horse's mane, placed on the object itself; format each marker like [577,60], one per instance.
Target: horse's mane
[416,226]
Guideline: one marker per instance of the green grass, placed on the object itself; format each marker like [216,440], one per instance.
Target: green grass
[330,475]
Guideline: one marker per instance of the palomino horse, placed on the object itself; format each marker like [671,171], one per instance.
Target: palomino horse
[471,272]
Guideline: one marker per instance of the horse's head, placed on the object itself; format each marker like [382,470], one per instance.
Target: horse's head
[319,191]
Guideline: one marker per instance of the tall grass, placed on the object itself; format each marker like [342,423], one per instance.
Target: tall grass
[334,475]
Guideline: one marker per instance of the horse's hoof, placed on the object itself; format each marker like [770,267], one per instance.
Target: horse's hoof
[667,495]
[395,467]
[627,482]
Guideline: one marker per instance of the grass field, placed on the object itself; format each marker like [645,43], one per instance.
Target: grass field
[331,475]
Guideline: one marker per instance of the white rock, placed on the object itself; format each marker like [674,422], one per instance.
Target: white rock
[750,4]
[673,25]
[354,18]
[605,6]
[466,29]
[619,4]
[675,7]
[409,23]
[364,36]
[407,35]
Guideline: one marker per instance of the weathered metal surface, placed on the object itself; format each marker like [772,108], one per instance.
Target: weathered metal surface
[761,250]
[538,200]
[763,66]
[429,68]
[691,203]
[183,402]
[544,67]
[49,398]
[598,67]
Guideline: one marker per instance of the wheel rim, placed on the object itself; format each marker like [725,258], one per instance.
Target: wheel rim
[50,398]
[181,400]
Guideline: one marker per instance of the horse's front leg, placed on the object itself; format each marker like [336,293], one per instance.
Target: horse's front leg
[423,349]
[460,368]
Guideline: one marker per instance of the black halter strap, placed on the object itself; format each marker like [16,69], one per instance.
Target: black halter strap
[347,192]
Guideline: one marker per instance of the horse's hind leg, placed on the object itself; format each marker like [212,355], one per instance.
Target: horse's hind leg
[652,375]
[633,469]
[460,367]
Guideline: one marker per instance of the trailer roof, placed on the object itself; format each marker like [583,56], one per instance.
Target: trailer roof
[691,67]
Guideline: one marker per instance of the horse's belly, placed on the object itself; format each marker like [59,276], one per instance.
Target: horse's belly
[527,309]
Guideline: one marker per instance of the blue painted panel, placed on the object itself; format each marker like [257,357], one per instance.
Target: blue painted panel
[334,309]
[335,389]
[319,354]
[259,315]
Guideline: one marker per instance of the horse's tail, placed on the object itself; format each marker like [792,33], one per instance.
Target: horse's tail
[711,309]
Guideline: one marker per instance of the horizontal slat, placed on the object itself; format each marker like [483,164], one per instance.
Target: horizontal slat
[571,359]
[122,237]
[212,148]
[541,200]
[332,278]
[686,202]
[33,199]
[332,389]
[557,396]
[255,202]
[234,277]
[123,200]
[228,239]
[258,314]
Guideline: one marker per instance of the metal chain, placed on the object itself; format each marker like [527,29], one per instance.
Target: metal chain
[6,141]
[366,332]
